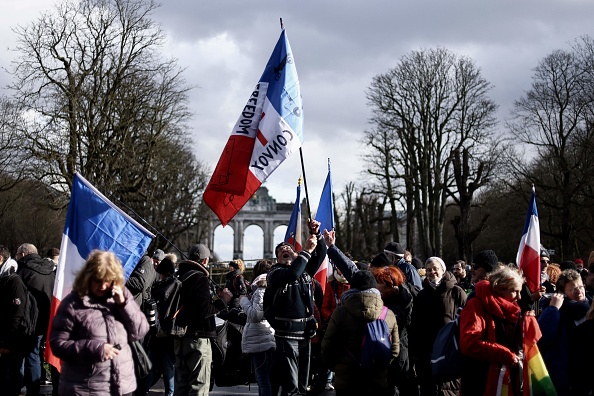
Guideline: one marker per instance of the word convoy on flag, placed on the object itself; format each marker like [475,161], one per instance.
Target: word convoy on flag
[93,222]
[269,130]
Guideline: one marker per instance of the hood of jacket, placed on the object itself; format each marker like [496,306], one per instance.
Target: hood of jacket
[259,281]
[189,265]
[231,274]
[496,305]
[35,263]
[8,267]
[365,304]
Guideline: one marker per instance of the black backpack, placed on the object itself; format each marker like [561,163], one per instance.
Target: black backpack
[29,319]
[167,295]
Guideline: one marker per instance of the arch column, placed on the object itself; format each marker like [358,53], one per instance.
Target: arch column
[268,239]
[238,232]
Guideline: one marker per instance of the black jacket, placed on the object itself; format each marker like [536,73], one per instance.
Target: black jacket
[12,294]
[142,279]
[39,277]
[199,309]
[290,293]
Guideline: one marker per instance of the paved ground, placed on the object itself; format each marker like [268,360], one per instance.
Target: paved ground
[159,390]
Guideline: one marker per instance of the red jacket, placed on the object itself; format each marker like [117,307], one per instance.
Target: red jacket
[478,338]
[332,294]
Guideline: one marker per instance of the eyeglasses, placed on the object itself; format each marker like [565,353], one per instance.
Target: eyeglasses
[576,289]
[544,261]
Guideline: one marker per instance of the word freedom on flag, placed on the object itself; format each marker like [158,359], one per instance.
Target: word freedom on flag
[269,129]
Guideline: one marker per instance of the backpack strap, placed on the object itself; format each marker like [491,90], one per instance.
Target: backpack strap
[384,313]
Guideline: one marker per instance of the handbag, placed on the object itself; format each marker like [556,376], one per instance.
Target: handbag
[142,363]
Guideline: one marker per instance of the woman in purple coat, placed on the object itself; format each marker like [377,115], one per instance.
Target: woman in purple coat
[92,330]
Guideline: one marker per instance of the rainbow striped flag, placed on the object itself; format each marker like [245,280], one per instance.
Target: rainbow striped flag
[536,377]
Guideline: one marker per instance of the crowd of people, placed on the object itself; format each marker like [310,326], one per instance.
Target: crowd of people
[302,337]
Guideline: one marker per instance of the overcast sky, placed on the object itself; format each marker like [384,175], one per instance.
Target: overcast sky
[338,46]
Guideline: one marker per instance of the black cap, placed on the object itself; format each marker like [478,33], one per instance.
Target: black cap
[166,267]
[568,265]
[394,248]
[486,259]
[198,252]
[417,263]
[381,260]
[363,280]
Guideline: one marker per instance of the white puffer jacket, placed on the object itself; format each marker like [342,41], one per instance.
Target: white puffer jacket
[257,336]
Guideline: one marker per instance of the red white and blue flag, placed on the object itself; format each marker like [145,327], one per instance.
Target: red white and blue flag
[294,231]
[528,258]
[93,222]
[325,215]
[269,129]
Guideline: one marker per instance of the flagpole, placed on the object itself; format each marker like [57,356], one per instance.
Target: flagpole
[282,25]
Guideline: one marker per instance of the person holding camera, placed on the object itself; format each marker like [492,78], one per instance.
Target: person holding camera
[93,328]
[289,308]
[193,353]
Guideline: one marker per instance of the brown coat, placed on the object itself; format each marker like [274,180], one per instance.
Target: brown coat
[341,345]
[79,331]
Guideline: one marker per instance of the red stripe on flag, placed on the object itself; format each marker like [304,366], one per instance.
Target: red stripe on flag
[226,206]
[530,266]
[230,175]
[322,273]
[261,138]
[49,354]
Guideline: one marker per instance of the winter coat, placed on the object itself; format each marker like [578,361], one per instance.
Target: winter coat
[80,329]
[490,335]
[12,294]
[332,294]
[199,309]
[39,276]
[235,282]
[434,307]
[341,346]
[558,328]
[258,335]
[581,364]
[142,279]
[292,310]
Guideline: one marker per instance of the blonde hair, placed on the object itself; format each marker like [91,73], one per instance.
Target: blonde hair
[102,266]
[554,272]
[240,264]
[505,278]
[172,257]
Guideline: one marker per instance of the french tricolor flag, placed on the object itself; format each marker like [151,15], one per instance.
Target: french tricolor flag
[93,222]
[325,215]
[528,258]
[294,231]
[269,129]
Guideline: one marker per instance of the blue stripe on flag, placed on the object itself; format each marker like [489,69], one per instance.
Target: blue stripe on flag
[283,89]
[325,212]
[93,222]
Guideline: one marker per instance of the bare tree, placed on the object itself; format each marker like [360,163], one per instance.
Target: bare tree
[554,119]
[102,101]
[432,104]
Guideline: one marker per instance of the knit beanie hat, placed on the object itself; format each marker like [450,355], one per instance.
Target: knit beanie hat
[486,259]
[234,264]
[381,260]
[417,263]
[166,267]
[159,255]
[437,260]
[568,265]
[363,280]
[394,248]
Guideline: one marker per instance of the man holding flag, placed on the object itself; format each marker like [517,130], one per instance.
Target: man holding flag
[289,308]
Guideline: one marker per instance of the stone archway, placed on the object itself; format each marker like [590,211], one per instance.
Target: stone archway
[261,210]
